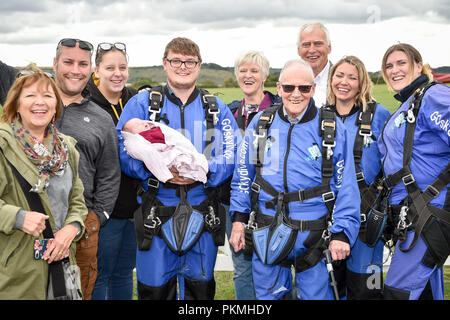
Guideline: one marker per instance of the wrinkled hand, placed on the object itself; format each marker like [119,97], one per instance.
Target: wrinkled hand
[177,179]
[339,249]
[34,223]
[237,237]
[63,239]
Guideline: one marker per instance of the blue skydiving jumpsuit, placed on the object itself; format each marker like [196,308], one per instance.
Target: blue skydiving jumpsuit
[408,276]
[364,265]
[292,162]
[158,268]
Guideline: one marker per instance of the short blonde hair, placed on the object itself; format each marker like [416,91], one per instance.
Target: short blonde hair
[364,94]
[252,57]
[12,100]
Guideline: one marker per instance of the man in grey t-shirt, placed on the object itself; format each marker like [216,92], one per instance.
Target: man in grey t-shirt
[96,137]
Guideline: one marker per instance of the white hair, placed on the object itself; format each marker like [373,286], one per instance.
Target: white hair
[308,27]
[296,61]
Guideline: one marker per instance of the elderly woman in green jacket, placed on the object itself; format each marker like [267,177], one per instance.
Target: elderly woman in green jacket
[48,161]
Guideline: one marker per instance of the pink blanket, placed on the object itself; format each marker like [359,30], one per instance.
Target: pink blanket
[177,151]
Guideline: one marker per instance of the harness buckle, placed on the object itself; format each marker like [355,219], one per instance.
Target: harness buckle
[153,112]
[251,222]
[213,113]
[255,187]
[328,196]
[329,147]
[260,135]
[408,179]
[402,225]
[410,116]
[211,218]
[301,195]
[363,217]
[154,183]
[432,190]
[154,222]
[330,124]
[359,176]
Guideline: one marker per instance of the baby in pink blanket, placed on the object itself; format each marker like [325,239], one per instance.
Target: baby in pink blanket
[166,153]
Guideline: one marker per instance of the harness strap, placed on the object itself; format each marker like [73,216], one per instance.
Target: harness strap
[300,225]
[364,121]
[305,194]
[307,259]
[419,207]
[419,210]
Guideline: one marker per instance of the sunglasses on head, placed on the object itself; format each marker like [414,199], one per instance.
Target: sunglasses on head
[288,88]
[106,46]
[23,73]
[69,42]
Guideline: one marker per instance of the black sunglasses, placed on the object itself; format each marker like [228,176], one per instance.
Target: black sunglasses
[106,46]
[69,42]
[288,88]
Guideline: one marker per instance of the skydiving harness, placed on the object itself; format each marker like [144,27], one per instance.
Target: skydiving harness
[182,225]
[373,217]
[274,237]
[415,212]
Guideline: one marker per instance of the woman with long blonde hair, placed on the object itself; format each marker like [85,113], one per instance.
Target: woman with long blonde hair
[350,95]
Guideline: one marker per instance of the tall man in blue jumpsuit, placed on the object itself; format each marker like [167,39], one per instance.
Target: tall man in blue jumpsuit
[292,162]
[159,268]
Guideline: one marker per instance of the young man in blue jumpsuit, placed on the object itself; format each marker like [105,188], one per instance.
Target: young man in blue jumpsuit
[159,268]
[416,265]
[292,162]
[350,97]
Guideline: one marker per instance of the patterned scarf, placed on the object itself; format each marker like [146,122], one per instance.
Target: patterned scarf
[50,156]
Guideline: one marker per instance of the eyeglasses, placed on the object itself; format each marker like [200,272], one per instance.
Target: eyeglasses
[289,88]
[176,63]
[106,46]
[69,42]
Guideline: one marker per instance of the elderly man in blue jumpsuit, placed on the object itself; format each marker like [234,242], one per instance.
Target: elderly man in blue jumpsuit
[180,207]
[292,165]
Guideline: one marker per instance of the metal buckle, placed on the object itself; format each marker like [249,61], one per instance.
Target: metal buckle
[251,222]
[213,113]
[153,183]
[408,179]
[410,116]
[326,123]
[211,218]
[363,217]
[325,196]
[359,176]
[153,221]
[153,113]
[329,147]
[301,195]
[434,192]
[260,135]
[255,187]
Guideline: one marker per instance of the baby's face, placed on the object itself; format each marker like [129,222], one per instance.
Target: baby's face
[137,126]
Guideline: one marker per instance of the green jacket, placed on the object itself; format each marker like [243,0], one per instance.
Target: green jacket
[21,276]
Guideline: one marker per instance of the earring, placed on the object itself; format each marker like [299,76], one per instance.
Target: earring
[18,116]
[54,119]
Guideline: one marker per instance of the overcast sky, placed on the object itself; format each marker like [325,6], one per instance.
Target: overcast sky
[30,30]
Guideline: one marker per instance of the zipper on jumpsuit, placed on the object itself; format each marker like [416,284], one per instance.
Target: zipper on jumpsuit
[286,190]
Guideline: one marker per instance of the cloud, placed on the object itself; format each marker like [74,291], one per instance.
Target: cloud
[113,17]
[271,26]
